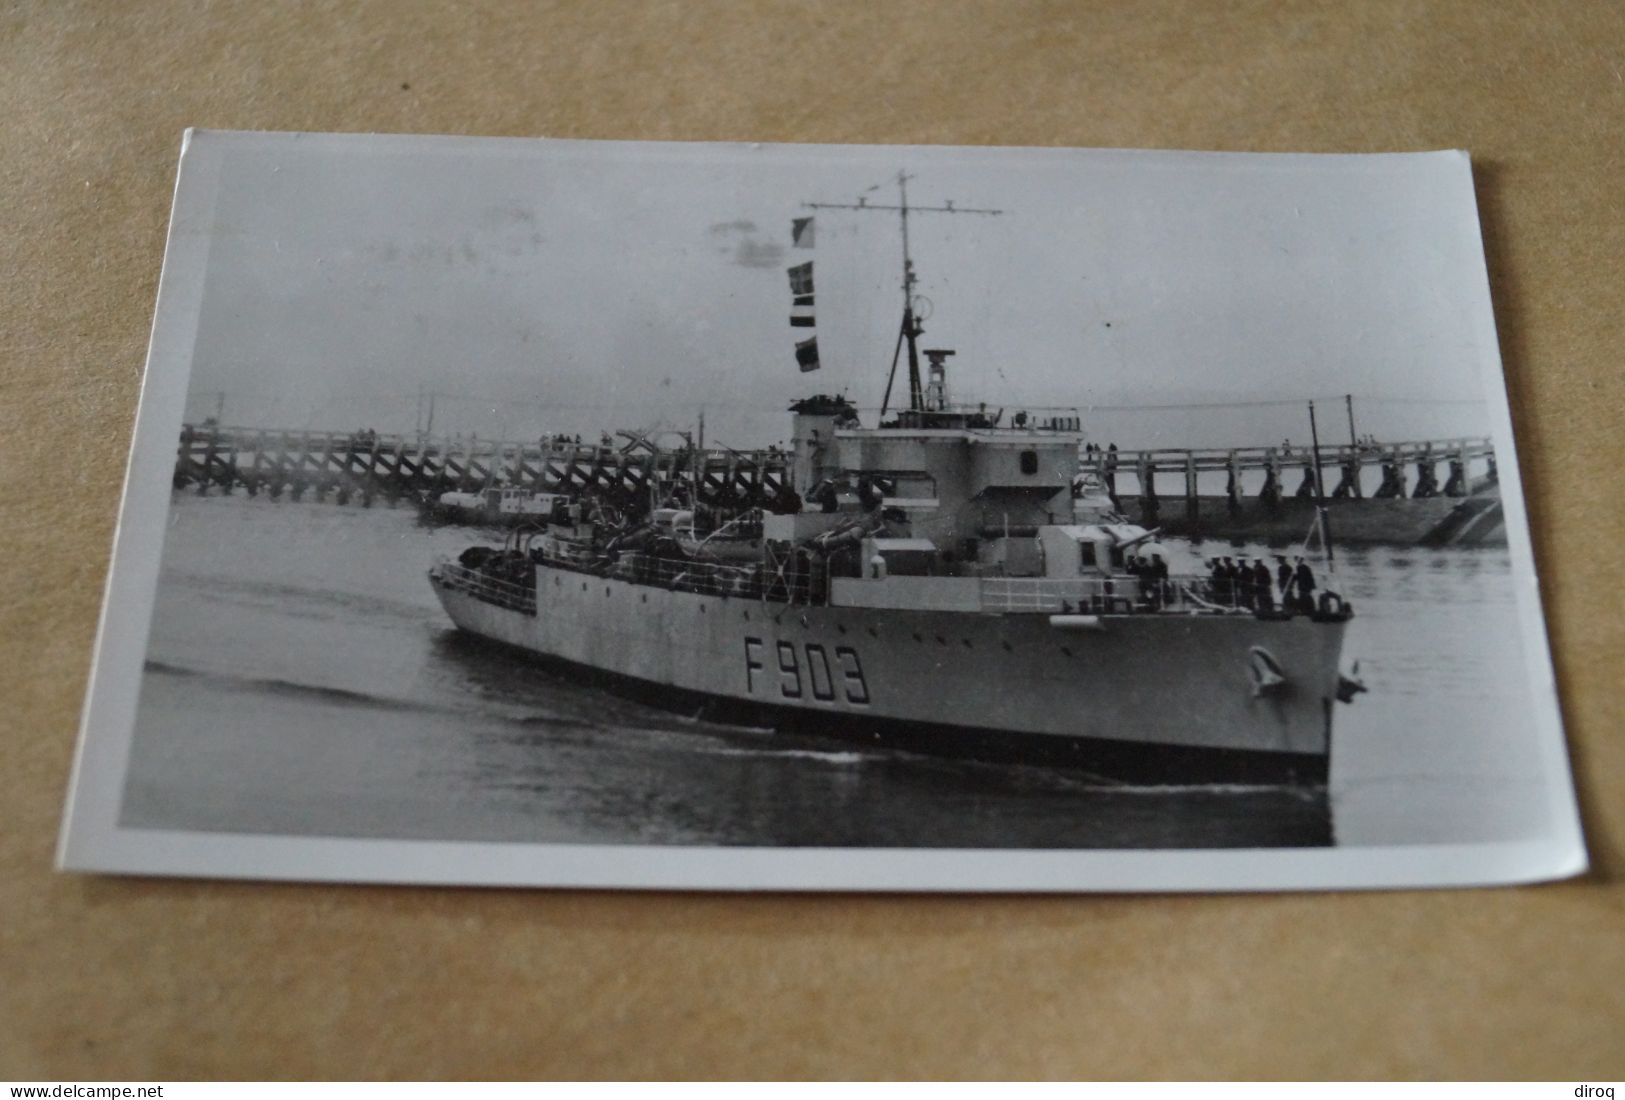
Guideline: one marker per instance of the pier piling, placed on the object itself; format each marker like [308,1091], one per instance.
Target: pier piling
[1230,491]
[1243,485]
[361,467]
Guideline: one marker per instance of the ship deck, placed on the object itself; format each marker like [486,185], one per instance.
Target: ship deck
[510,581]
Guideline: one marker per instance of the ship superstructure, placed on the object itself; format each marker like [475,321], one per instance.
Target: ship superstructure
[932,581]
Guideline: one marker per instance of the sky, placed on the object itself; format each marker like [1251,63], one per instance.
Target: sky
[537,285]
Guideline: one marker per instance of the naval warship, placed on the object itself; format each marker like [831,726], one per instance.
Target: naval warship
[933,582]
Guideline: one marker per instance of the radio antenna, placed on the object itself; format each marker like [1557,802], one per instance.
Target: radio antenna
[912,328]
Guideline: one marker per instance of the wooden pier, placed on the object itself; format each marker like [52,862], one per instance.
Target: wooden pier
[362,467]
[1428,491]
[1431,491]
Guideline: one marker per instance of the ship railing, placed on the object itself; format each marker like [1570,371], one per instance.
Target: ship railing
[686,575]
[1111,595]
[566,554]
[787,582]
[488,589]
[982,415]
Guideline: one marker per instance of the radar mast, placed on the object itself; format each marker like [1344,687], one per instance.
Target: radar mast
[912,328]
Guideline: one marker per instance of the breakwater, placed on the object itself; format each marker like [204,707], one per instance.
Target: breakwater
[1428,492]
[362,467]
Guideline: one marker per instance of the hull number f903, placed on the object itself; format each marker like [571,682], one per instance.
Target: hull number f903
[806,672]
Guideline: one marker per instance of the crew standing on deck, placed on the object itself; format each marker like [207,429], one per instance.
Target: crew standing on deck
[1305,581]
[1231,574]
[1263,585]
[1139,567]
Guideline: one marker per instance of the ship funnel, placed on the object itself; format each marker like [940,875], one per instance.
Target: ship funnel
[813,427]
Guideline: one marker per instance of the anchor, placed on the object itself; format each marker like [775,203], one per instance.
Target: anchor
[1267,675]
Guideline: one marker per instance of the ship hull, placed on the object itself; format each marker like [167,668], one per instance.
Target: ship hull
[1143,698]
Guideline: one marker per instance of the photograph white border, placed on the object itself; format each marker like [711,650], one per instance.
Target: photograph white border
[92,839]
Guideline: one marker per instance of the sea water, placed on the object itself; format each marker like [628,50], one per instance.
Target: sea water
[302,679]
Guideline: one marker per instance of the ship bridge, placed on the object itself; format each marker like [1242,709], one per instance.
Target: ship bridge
[972,490]
[965,475]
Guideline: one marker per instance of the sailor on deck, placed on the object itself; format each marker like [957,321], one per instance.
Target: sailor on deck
[1304,578]
[1159,576]
[1227,594]
[1263,587]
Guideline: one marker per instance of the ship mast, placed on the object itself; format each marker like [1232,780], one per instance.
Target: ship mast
[912,328]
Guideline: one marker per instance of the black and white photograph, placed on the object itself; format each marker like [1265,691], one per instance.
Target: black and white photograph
[686,515]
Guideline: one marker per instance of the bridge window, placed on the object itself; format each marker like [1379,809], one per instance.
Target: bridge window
[1029,462]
